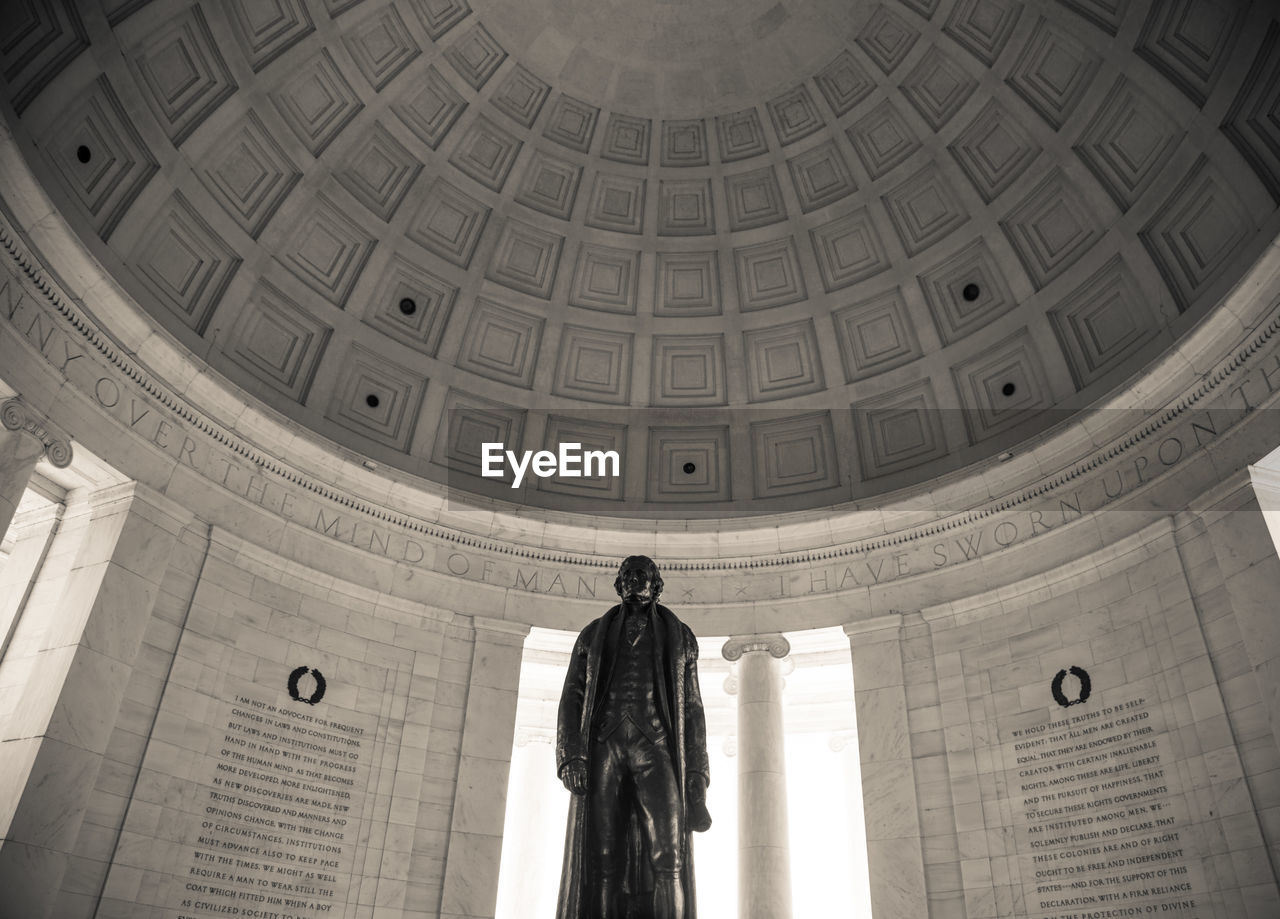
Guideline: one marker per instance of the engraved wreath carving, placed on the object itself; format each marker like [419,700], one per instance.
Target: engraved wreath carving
[1086,686]
[297,675]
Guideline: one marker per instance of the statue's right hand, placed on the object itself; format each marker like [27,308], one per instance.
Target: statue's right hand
[575,777]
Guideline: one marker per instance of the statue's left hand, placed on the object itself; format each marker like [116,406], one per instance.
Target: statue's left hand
[696,795]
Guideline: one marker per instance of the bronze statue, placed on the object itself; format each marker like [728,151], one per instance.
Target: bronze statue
[631,745]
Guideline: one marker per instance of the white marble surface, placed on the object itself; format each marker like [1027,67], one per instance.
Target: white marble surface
[895,777]
[19,452]
[1145,606]
[764,866]
[473,858]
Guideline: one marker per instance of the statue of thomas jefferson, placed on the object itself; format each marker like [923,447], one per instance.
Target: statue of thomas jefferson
[631,745]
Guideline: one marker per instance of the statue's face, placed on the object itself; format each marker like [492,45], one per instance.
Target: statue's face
[636,583]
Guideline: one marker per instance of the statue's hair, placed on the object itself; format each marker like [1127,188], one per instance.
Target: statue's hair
[655,579]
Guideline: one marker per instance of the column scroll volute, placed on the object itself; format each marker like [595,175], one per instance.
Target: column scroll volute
[16,415]
[738,645]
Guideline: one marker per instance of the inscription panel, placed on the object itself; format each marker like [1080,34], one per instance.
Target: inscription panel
[277,763]
[1099,825]
[272,828]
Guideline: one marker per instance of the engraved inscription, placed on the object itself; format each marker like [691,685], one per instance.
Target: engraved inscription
[276,829]
[1099,830]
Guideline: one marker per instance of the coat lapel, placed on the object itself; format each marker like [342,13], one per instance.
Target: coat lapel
[606,636]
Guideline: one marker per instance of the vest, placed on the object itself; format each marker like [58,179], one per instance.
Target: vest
[631,693]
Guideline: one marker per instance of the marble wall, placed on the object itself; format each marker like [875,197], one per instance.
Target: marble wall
[1153,787]
[161,689]
[150,720]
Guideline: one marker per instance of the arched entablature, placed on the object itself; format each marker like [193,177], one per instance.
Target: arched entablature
[133,395]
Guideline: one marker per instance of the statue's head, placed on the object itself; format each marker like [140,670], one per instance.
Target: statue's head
[638,578]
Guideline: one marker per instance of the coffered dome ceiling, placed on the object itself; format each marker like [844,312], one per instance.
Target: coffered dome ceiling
[778,255]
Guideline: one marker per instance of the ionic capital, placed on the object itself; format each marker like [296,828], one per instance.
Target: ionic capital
[738,645]
[16,415]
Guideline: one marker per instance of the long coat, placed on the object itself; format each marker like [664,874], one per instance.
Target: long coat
[679,700]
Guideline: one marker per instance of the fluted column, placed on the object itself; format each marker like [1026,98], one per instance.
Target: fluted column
[764,860]
[24,439]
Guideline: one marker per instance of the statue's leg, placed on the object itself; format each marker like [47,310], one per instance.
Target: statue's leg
[608,821]
[658,797]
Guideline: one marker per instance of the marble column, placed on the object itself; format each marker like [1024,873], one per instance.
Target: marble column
[480,800]
[78,639]
[841,744]
[895,860]
[24,439]
[32,533]
[530,868]
[764,860]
